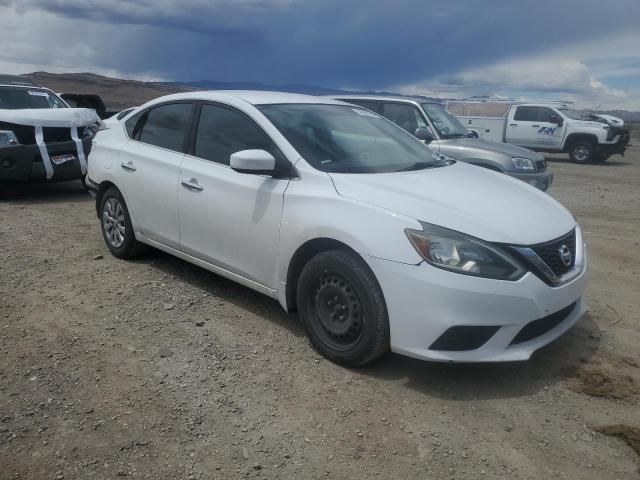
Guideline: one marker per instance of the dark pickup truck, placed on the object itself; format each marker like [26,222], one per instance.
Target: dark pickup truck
[41,137]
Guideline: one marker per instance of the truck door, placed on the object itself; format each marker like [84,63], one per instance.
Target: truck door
[532,126]
[522,126]
[551,128]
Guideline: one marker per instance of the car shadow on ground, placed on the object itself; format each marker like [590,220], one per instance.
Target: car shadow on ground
[224,289]
[54,192]
[548,366]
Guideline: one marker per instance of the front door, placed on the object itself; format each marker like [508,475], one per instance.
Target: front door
[230,219]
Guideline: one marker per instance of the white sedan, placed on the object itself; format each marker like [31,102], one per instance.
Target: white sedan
[337,213]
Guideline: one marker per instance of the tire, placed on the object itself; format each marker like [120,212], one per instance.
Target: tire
[582,151]
[3,190]
[116,227]
[342,308]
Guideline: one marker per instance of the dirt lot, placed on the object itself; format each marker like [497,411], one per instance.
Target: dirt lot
[158,369]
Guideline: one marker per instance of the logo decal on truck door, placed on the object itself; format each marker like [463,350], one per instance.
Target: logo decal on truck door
[547,131]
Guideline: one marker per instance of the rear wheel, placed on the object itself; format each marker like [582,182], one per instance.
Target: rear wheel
[582,152]
[342,308]
[117,230]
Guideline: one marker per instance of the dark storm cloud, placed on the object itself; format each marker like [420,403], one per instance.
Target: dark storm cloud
[335,43]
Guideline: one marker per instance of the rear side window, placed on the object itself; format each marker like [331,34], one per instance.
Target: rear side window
[222,132]
[164,126]
[526,114]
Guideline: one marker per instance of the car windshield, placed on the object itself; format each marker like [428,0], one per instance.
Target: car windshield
[347,139]
[18,98]
[446,124]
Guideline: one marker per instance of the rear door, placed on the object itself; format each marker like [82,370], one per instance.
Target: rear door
[230,219]
[522,126]
[150,167]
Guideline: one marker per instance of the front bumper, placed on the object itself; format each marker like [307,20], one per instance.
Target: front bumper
[424,302]
[24,162]
[541,180]
[618,147]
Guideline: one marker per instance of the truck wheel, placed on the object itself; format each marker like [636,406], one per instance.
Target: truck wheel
[581,152]
[342,308]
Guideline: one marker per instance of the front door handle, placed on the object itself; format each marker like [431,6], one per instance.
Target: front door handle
[513,124]
[128,166]
[535,126]
[192,184]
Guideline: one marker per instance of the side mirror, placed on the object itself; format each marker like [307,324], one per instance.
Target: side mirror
[424,134]
[257,162]
[557,119]
[473,133]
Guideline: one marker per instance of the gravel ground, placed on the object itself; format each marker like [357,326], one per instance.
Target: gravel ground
[157,369]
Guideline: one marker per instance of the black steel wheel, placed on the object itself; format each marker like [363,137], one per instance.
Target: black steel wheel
[342,308]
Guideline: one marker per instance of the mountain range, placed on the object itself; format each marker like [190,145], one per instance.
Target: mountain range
[118,93]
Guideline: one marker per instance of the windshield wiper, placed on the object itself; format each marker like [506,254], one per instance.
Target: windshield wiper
[455,135]
[420,166]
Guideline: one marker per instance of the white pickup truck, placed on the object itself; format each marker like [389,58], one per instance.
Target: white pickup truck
[549,128]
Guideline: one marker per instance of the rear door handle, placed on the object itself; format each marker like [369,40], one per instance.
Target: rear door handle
[192,184]
[128,166]
[513,124]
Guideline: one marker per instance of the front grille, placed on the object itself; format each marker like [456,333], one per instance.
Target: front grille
[539,327]
[550,253]
[541,164]
[57,134]
[464,337]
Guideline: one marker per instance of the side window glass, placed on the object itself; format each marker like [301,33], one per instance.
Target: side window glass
[544,114]
[166,126]
[405,116]
[526,114]
[222,132]
[132,123]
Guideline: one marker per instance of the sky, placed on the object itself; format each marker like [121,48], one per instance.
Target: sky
[584,51]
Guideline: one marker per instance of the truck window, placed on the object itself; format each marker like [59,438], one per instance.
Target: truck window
[544,114]
[405,116]
[526,114]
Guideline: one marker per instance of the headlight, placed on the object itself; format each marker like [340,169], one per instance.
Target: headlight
[454,251]
[523,163]
[8,139]
[90,131]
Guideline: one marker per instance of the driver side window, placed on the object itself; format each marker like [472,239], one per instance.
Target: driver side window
[222,131]
[405,116]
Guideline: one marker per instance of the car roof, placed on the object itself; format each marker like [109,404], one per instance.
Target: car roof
[254,97]
[395,98]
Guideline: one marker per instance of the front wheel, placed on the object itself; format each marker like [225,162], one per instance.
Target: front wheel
[342,308]
[582,152]
[117,230]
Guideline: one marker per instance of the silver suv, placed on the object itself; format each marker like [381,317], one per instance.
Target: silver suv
[430,122]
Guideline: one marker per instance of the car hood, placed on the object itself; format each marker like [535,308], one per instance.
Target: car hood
[50,117]
[473,200]
[479,145]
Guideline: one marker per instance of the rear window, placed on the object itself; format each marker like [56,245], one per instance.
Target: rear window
[19,98]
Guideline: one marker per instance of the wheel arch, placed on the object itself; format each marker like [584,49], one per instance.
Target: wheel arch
[576,137]
[301,256]
[102,188]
